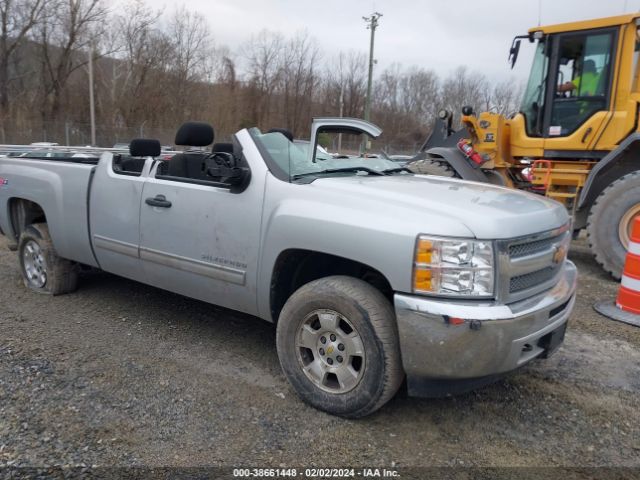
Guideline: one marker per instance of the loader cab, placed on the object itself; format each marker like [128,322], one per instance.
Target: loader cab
[580,91]
[570,81]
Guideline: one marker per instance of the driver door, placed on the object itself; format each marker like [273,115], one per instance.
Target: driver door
[201,240]
[581,93]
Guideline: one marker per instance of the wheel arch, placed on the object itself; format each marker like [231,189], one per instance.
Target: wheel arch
[296,267]
[22,213]
[619,162]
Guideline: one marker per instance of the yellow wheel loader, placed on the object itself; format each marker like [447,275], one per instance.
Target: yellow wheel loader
[576,137]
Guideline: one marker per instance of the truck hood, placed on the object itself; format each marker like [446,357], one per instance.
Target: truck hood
[487,211]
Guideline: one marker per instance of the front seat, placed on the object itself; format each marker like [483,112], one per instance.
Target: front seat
[139,150]
[191,163]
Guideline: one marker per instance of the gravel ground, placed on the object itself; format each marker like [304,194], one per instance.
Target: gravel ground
[120,373]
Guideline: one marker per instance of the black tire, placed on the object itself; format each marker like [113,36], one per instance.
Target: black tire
[604,221]
[372,317]
[432,166]
[61,275]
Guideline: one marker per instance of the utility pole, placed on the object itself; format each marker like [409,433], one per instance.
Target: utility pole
[341,115]
[372,24]
[92,107]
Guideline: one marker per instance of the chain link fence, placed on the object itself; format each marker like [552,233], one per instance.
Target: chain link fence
[79,134]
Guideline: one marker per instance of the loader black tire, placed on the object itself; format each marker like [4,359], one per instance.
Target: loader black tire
[372,319]
[432,166]
[56,275]
[608,217]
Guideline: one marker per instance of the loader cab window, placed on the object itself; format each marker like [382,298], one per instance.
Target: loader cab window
[534,95]
[582,80]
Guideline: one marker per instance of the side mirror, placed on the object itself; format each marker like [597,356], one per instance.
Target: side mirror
[226,167]
[513,52]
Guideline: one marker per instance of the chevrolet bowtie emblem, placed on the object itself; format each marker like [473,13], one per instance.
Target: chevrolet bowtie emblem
[330,350]
[560,252]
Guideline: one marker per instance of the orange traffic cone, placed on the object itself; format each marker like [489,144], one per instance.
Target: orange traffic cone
[627,306]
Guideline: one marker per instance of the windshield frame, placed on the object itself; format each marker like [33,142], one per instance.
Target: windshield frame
[291,176]
[536,87]
[272,165]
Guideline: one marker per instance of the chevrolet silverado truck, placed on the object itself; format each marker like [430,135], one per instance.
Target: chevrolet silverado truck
[371,273]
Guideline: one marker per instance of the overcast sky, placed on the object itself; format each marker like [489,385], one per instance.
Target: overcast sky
[440,35]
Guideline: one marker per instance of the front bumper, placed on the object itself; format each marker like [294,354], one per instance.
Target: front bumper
[492,340]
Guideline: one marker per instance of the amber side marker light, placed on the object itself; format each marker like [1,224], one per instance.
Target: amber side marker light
[422,277]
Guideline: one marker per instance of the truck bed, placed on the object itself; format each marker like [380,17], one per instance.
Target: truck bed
[61,187]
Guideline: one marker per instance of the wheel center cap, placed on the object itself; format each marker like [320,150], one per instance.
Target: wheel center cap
[330,350]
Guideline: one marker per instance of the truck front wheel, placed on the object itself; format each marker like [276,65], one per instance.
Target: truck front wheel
[43,270]
[337,341]
[610,221]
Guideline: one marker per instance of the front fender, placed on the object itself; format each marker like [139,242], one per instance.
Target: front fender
[612,166]
[334,230]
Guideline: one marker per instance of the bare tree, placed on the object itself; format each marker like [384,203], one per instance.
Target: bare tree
[67,29]
[299,80]
[263,55]
[506,96]
[17,19]
[124,80]
[155,71]
[406,101]
[463,88]
[192,44]
[347,74]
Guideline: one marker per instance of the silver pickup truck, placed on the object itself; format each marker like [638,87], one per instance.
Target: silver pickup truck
[372,274]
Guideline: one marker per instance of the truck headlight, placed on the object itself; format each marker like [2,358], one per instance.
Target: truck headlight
[453,267]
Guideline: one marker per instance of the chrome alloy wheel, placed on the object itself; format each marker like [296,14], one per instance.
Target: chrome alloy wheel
[35,266]
[330,351]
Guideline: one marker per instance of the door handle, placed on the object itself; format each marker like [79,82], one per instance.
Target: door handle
[158,201]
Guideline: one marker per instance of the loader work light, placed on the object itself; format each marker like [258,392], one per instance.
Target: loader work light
[453,267]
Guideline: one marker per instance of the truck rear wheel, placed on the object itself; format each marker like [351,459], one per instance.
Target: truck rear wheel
[337,341]
[42,269]
[432,166]
[610,221]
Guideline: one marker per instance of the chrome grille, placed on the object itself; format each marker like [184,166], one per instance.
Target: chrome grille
[528,280]
[523,249]
[530,265]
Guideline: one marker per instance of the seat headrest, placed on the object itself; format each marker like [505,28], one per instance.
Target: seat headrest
[195,134]
[222,147]
[283,131]
[144,147]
